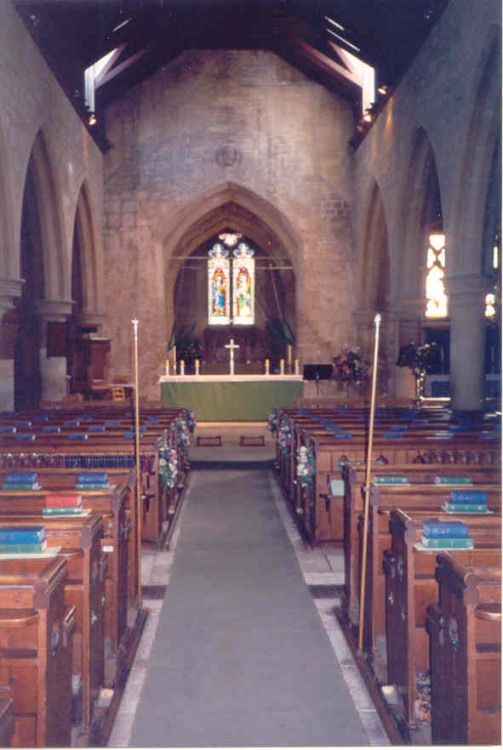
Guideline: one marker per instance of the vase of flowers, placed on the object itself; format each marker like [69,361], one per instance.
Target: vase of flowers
[350,368]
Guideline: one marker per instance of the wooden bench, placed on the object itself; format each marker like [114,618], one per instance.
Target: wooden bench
[117,543]
[36,646]
[108,451]
[321,522]
[79,540]
[354,478]
[418,494]
[422,504]
[465,654]
[410,586]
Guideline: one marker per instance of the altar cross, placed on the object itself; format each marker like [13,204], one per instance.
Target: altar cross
[231,346]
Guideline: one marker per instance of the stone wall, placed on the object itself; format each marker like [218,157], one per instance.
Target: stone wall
[246,119]
[35,112]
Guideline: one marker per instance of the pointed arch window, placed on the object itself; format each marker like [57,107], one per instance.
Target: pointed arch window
[231,282]
[436,298]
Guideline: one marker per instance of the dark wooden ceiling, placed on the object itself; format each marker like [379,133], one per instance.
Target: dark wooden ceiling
[72,34]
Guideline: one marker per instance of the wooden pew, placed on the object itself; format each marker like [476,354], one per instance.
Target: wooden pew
[79,540]
[117,543]
[421,492]
[422,500]
[321,522]
[411,586]
[36,645]
[465,654]
[108,451]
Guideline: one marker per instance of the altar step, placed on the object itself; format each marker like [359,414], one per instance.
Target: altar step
[244,434]
[231,442]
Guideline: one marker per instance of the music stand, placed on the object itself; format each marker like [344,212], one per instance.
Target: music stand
[317,372]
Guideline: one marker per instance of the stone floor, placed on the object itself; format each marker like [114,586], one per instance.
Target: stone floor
[323,572]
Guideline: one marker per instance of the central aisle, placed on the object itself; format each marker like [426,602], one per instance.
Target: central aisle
[240,656]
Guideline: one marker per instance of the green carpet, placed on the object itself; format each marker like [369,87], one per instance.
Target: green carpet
[241,657]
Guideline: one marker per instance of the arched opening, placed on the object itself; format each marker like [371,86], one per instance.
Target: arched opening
[27,376]
[43,269]
[230,207]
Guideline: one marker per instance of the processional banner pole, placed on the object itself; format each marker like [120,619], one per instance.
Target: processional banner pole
[138,509]
[363,573]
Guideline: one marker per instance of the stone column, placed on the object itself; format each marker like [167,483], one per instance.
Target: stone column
[466,311]
[53,369]
[10,289]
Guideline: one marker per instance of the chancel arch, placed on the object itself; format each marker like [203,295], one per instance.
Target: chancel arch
[231,207]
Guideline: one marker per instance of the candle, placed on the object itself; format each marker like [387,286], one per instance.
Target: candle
[296,366]
[174,358]
[182,367]
[267,363]
[289,355]
[197,367]
[167,367]
[282,367]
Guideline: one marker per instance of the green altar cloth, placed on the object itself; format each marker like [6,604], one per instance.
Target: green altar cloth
[230,398]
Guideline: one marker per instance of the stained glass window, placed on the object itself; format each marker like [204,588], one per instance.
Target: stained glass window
[218,285]
[436,298]
[231,282]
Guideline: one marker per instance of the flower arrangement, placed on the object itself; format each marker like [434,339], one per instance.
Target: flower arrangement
[285,436]
[182,434]
[272,421]
[190,420]
[306,467]
[349,366]
[168,466]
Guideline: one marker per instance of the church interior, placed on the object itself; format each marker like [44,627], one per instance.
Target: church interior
[250,366]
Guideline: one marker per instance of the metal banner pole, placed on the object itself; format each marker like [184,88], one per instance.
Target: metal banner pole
[138,509]
[377,321]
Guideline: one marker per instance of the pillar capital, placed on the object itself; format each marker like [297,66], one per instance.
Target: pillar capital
[407,307]
[87,319]
[466,288]
[56,310]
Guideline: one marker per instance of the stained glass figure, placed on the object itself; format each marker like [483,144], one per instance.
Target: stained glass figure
[218,285]
[243,277]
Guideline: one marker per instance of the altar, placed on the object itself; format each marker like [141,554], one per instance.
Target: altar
[230,398]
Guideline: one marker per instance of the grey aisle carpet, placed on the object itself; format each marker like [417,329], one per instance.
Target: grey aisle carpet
[240,657]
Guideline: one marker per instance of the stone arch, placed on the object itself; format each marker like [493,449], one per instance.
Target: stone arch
[213,210]
[85,265]
[374,271]
[48,197]
[9,257]
[478,161]
[421,186]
